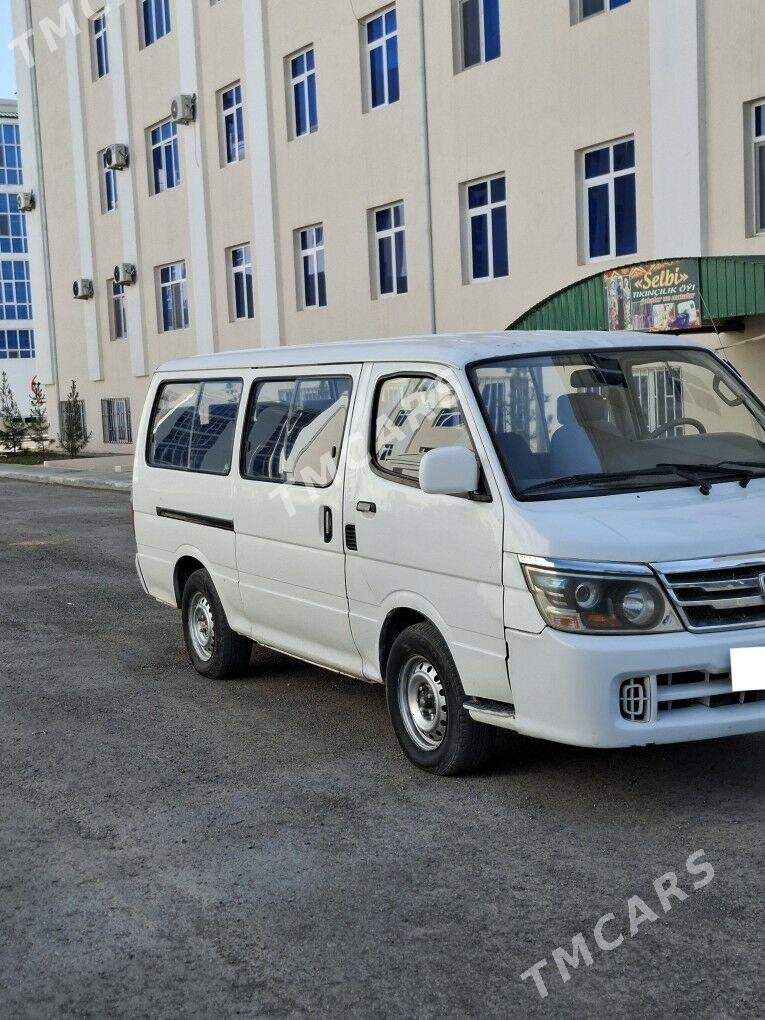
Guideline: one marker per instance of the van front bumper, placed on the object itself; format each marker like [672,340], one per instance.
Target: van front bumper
[566,687]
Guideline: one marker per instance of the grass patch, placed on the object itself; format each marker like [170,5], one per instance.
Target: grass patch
[29,457]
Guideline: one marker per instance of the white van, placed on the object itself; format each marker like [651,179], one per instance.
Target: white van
[559,534]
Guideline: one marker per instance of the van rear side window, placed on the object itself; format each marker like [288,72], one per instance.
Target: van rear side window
[192,427]
[295,430]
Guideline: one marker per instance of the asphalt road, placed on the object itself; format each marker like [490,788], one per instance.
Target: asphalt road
[174,847]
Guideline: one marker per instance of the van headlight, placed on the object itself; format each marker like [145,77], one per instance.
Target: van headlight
[607,602]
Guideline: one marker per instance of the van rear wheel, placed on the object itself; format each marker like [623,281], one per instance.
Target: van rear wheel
[213,647]
[425,701]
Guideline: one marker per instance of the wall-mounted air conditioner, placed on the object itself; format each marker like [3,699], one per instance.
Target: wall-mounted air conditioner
[124,273]
[183,109]
[117,156]
[82,289]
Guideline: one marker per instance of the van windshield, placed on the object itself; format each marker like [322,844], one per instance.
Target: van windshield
[591,423]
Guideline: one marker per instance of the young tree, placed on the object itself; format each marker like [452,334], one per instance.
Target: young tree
[73,437]
[13,428]
[38,427]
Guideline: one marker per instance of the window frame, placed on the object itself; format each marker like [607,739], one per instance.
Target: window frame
[14,327]
[105,401]
[114,297]
[578,15]
[153,6]
[381,43]
[390,233]
[756,143]
[301,255]
[163,144]
[197,381]
[99,45]
[11,176]
[237,107]
[460,33]
[15,218]
[15,281]
[482,493]
[609,178]
[232,272]
[302,81]
[484,210]
[160,304]
[260,380]
[106,173]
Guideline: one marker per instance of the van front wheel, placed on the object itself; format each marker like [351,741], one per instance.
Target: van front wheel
[425,702]
[214,649]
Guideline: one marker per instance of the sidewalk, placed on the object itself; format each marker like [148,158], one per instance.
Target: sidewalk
[120,482]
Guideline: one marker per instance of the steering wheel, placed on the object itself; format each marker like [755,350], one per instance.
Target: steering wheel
[694,422]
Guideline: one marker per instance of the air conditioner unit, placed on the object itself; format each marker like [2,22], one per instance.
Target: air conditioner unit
[25,201]
[82,289]
[124,273]
[117,156]
[183,109]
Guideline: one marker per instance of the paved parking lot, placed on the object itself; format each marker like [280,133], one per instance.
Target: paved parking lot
[176,847]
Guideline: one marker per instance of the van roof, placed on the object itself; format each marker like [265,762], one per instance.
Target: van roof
[453,349]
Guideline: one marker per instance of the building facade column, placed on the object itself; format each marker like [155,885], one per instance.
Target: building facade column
[135,312]
[678,139]
[201,291]
[87,261]
[260,146]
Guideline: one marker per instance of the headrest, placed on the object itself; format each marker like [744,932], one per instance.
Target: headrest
[582,409]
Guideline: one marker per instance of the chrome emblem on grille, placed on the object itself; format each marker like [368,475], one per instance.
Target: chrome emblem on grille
[634,700]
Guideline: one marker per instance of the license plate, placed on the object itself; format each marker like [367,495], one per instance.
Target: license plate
[747,669]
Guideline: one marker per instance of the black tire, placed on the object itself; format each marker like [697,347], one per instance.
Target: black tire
[228,654]
[420,666]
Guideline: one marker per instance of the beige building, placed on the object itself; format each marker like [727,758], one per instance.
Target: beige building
[336,169]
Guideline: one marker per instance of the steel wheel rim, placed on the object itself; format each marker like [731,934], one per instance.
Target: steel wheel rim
[201,626]
[422,703]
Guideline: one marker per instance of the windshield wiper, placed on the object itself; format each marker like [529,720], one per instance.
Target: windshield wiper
[593,478]
[727,470]
[740,471]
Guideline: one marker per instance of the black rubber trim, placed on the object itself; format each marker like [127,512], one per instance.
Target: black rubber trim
[208,522]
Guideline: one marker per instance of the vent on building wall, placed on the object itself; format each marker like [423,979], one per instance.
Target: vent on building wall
[124,273]
[82,289]
[117,156]
[183,109]
[25,200]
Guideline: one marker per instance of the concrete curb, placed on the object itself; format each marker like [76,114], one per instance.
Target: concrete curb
[74,479]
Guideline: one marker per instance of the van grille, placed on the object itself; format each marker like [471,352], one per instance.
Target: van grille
[676,691]
[718,595]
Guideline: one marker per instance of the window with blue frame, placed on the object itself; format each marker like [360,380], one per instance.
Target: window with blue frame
[382,58]
[174,297]
[305,116]
[10,155]
[240,282]
[486,202]
[17,343]
[759,166]
[587,8]
[156,20]
[15,293]
[610,200]
[479,31]
[390,246]
[108,184]
[313,281]
[232,122]
[13,227]
[99,47]
[165,164]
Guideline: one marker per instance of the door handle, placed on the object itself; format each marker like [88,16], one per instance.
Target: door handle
[326,516]
[365,507]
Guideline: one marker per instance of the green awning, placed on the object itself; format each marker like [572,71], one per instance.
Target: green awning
[731,288]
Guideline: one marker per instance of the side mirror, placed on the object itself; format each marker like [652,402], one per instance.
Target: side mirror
[449,471]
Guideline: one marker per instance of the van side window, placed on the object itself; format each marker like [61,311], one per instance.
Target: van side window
[295,430]
[414,414]
[192,428]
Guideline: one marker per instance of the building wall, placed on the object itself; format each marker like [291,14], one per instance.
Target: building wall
[658,71]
